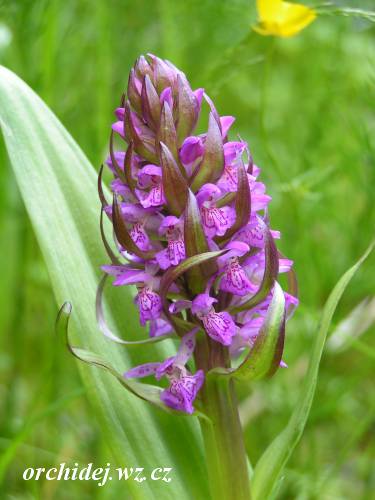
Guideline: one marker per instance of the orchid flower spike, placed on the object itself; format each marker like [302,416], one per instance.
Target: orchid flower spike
[192,233]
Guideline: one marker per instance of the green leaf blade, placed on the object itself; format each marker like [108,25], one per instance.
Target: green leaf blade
[273,460]
[59,187]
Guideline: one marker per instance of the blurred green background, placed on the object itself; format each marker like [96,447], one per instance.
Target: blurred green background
[305,105]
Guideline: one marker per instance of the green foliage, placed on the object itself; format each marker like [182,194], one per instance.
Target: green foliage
[270,466]
[58,185]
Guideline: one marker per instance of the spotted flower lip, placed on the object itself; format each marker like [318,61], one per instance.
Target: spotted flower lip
[184,386]
[174,253]
[216,220]
[235,279]
[191,227]
[218,325]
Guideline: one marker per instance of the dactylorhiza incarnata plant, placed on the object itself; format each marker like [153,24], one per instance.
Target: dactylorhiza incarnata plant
[192,233]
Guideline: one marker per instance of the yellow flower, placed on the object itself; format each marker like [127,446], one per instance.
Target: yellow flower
[283,19]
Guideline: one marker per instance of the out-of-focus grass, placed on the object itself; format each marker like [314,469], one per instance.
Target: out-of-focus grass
[306,107]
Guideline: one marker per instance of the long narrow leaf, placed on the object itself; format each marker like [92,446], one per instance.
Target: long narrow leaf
[58,185]
[273,460]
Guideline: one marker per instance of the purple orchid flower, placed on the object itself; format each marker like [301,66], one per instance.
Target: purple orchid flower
[184,386]
[172,228]
[253,233]
[215,220]
[232,159]
[150,178]
[218,325]
[148,301]
[235,279]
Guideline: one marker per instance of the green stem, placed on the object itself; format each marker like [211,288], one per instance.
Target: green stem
[226,459]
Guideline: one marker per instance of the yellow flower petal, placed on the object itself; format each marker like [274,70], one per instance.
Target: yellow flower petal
[293,18]
[268,9]
[282,19]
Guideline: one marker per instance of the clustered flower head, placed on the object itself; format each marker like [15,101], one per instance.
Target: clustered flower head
[191,228]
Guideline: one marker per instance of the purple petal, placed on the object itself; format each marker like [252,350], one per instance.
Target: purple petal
[154,198]
[191,149]
[259,200]
[165,368]
[159,327]
[182,392]
[256,171]
[172,255]
[119,128]
[186,349]
[118,187]
[146,173]
[133,213]
[176,251]
[119,157]
[285,265]
[208,192]
[149,304]
[163,260]
[235,249]
[291,304]
[233,151]
[226,123]
[142,370]
[253,234]
[220,327]
[249,331]
[168,222]
[202,303]
[235,280]
[199,95]
[179,305]
[140,237]
[120,113]
[216,221]
[125,276]
[166,96]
